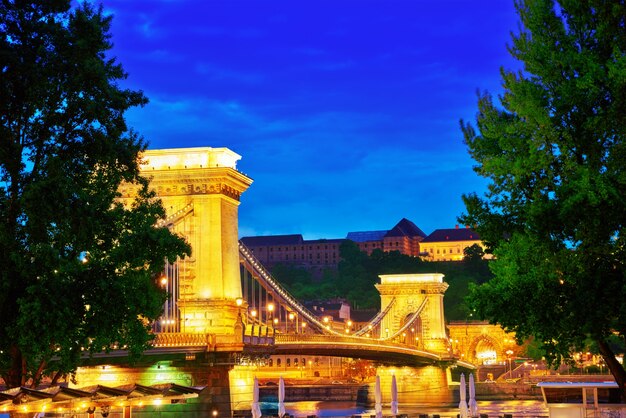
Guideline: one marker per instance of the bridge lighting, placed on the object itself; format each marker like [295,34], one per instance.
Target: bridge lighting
[239,301]
[412,329]
[164,281]
[253,313]
[303,325]
[291,316]
[349,323]
[270,307]
[276,320]
[326,319]
[214,413]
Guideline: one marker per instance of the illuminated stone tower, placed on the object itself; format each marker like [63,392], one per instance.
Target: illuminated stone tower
[200,189]
[408,292]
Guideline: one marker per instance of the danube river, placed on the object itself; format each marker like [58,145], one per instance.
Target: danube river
[527,408]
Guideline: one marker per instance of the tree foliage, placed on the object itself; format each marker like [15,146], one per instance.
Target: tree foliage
[79,269]
[553,150]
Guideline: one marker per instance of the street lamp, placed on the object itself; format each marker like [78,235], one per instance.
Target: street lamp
[509,353]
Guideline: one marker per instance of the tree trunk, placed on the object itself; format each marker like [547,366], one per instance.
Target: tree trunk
[614,366]
[14,374]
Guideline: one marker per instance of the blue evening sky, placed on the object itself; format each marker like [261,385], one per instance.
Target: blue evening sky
[346,112]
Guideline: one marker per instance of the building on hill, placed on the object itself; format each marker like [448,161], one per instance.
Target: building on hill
[404,237]
[449,244]
[313,255]
[321,254]
[368,241]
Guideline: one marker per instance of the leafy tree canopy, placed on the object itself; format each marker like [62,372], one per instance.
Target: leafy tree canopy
[554,151]
[79,270]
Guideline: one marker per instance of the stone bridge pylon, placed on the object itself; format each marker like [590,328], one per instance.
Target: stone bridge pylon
[200,189]
[417,298]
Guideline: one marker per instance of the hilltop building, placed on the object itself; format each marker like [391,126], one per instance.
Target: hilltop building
[320,254]
[449,244]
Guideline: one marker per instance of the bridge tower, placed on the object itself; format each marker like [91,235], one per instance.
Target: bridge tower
[408,293]
[200,189]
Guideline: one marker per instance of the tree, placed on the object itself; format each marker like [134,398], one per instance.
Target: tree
[79,269]
[554,152]
[473,253]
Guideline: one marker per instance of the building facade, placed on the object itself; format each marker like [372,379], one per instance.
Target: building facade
[320,254]
[405,237]
[449,244]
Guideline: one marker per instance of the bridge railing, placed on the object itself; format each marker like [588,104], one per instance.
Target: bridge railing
[179,339]
[360,341]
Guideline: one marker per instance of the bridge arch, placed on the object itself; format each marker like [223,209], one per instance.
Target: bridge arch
[484,349]
[417,298]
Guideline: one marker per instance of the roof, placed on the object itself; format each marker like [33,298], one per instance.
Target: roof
[269,240]
[324,241]
[405,228]
[366,236]
[104,398]
[452,234]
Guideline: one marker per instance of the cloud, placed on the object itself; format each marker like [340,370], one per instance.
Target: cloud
[148,28]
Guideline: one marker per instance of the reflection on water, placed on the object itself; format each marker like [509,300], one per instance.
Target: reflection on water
[347,408]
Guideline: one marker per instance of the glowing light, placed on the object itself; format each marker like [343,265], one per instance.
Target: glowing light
[214,413]
[239,301]
[158,401]
[291,316]
[276,320]
[163,281]
[270,307]
[253,313]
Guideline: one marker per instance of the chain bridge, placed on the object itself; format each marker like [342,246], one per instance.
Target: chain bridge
[225,313]
[222,299]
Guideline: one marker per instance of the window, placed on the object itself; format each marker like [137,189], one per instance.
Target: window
[278,362]
[288,362]
[295,362]
[271,363]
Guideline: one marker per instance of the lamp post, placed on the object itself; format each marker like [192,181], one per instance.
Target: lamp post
[509,353]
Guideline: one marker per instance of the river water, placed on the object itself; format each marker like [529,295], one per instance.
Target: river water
[345,409]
